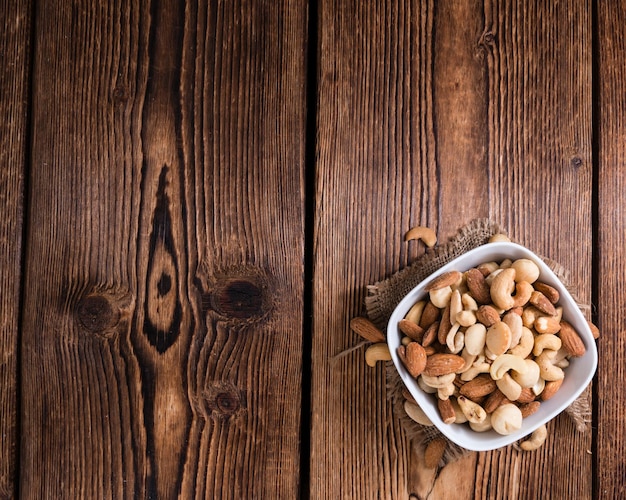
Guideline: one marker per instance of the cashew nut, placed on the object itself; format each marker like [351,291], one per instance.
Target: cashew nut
[530,315]
[441,297]
[456,305]
[499,237]
[460,417]
[489,355]
[487,268]
[475,337]
[469,359]
[546,341]
[547,369]
[506,419]
[506,263]
[539,386]
[529,377]
[479,366]
[426,234]
[466,318]
[469,304]
[424,386]
[445,392]
[498,338]
[502,287]
[417,414]
[506,362]
[523,291]
[511,389]
[525,270]
[537,438]
[455,340]
[415,313]
[377,352]
[473,411]
[492,276]
[438,381]
[514,322]
[483,426]
[526,343]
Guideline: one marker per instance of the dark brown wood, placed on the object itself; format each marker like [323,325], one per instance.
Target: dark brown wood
[162,347]
[611,206]
[436,113]
[15,17]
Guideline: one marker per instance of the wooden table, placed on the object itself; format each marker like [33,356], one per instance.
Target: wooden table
[194,197]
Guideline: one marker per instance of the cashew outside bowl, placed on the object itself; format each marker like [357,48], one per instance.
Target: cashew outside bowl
[537,438]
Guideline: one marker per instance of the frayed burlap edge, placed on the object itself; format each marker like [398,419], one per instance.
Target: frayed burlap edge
[384,296]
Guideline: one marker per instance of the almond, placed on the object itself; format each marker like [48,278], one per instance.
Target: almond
[571,341]
[411,329]
[443,364]
[478,387]
[415,359]
[541,302]
[550,389]
[496,399]
[408,396]
[595,331]
[546,324]
[430,335]
[366,329]
[551,293]
[444,280]
[528,409]
[444,326]
[526,396]
[478,287]
[430,350]
[446,410]
[434,452]
[487,315]
[430,314]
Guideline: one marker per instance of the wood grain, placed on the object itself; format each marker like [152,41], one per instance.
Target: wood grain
[162,320]
[14,95]
[436,113]
[611,209]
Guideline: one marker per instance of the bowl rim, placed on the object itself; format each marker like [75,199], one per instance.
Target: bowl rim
[467,438]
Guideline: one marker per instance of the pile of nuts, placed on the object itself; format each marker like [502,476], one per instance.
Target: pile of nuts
[489,343]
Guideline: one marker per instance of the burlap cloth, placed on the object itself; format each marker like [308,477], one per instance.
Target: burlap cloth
[384,296]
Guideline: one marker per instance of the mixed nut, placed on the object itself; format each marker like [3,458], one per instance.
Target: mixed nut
[489,343]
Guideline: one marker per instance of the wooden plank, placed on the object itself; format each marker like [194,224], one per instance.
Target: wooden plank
[611,210]
[538,59]
[163,303]
[437,113]
[15,17]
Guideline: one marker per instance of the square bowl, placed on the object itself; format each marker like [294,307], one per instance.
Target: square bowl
[577,375]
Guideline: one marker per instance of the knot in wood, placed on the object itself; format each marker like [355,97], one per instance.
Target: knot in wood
[222,400]
[240,298]
[227,403]
[96,313]
[120,94]
[576,162]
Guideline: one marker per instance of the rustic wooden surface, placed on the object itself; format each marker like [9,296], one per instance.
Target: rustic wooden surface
[436,113]
[611,259]
[14,96]
[209,187]
[162,346]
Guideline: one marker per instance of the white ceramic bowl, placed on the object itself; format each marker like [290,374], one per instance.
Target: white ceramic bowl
[577,375]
